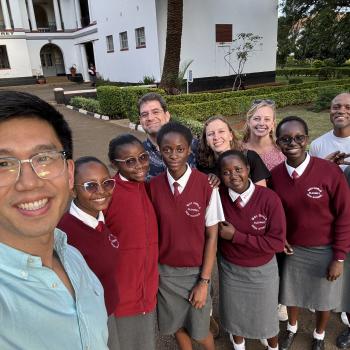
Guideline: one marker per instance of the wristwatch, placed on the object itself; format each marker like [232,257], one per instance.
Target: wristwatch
[203,280]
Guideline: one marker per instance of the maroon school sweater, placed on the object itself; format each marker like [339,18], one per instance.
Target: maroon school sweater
[131,217]
[99,249]
[317,206]
[260,228]
[181,220]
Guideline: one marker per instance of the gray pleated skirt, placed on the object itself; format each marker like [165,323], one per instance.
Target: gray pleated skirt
[345,293]
[304,280]
[132,333]
[174,309]
[248,299]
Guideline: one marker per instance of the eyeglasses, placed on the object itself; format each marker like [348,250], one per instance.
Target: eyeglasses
[131,162]
[93,186]
[269,102]
[46,165]
[287,140]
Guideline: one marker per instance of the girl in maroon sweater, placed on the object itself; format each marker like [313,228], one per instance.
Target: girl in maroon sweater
[84,223]
[188,211]
[316,201]
[131,217]
[253,232]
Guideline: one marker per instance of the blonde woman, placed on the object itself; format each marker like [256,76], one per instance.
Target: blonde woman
[259,130]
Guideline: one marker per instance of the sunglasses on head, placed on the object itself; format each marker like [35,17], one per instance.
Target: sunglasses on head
[93,186]
[269,102]
[132,161]
[287,140]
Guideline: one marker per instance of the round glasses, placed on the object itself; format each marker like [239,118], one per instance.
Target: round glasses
[46,165]
[287,140]
[94,186]
[131,162]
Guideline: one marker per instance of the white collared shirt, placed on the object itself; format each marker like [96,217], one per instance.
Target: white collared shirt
[86,218]
[301,168]
[214,212]
[122,177]
[245,196]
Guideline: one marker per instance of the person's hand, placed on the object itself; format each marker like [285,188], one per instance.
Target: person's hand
[226,230]
[338,158]
[335,269]
[198,296]
[214,181]
[288,249]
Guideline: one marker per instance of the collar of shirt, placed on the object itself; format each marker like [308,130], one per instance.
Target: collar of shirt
[182,181]
[245,196]
[86,218]
[301,168]
[123,178]
[18,262]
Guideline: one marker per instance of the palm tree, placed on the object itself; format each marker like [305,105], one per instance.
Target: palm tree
[173,46]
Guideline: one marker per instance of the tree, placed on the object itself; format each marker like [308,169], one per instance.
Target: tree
[243,44]
[171,64]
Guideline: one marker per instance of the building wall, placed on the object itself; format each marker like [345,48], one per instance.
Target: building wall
[198,39]
[133,64]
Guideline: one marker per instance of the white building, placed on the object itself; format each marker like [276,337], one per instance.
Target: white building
[125,39]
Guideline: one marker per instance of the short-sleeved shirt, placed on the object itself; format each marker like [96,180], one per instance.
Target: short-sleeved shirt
[38,312]
[258,170]
[156,163]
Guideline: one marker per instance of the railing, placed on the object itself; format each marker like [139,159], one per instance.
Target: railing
[51,27]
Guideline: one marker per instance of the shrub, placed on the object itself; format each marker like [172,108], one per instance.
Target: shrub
[148,79]
[89,104]
[195,126]
[318,63]
[295,81]
[334,72]
[325,97]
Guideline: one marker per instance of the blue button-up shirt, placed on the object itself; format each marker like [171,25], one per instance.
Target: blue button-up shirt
[37,312]
[156,164]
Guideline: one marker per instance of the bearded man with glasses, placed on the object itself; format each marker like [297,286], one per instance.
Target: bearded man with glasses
[49,298]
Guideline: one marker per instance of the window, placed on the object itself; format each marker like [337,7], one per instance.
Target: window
[223,33]
[4,60]
[123,38]
[110,45]
[140,37]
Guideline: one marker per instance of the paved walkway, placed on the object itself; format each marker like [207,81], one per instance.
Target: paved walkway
[91,137]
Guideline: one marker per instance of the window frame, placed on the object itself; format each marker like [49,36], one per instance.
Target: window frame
[109,43]
[140,44]
[123,41]
[4,60]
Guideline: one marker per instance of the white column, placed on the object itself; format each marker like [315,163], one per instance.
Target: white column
[77,13]
[56,9]
[84,68]
[32,15]
[16,14]
[5,12]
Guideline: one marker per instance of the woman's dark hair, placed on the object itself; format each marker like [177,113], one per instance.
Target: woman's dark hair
[15,104]
[232,153]
[176,128]
[118,142]
[86,159]
[206,156]
[291,118]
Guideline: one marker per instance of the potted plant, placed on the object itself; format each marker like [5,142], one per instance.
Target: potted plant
[41,79]
[73,70]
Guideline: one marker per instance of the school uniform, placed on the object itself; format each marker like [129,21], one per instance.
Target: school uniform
[182,219]
[316,201]
[248,272]
[131,217]
[97,245]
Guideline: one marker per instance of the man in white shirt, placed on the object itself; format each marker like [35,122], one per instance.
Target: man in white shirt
[335,144]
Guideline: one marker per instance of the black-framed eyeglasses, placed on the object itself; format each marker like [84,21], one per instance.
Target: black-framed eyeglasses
[46,165]
[131,162]
[94,186]
[269,102]
[287,140]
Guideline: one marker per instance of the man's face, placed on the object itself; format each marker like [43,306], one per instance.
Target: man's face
[153,117]
[340,112]
[31,207]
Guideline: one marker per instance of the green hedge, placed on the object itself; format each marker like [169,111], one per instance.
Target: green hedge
[119,102]
[206,97]
[88,104]
[329,72]
[235,105]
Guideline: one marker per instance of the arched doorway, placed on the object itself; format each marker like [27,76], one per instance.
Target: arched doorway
[52,60]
